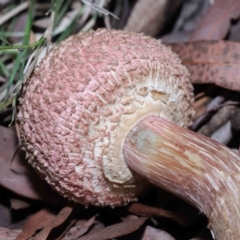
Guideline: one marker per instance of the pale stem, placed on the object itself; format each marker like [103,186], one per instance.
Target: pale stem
[194,167]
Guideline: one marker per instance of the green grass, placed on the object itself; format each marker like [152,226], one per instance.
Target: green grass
[18,55]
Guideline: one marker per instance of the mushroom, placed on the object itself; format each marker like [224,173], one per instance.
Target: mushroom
[103,101]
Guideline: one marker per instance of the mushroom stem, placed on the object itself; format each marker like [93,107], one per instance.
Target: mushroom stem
[196,168]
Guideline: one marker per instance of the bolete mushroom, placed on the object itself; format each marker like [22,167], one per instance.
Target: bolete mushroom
[101,102]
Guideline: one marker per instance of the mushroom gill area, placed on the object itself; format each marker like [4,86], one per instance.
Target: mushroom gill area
[82,100]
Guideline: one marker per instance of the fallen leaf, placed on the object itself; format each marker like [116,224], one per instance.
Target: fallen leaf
[154,15]
[222,116]
[116,230]
[8,234]
[190,15]
[216,22]
[215,62]
[17,204]
[58,220]
[80,228]
[206,111]
[17,175]
[224,134]
[5,213]
[36,222]
[147,211]
[66,229]
[96,227]
[151,233]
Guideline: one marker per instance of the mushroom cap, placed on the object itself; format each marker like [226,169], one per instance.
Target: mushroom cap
[80,103]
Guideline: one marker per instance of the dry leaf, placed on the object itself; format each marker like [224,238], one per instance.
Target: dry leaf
[66,229]
[37,221]
[80,228]
[151,233]
[216,22]
[17,176]
[116,230]
[8,234]
[218,120]
[60,218]
[147,211]
[214,62]
[154,15]
[189,17]
[17,204]
[224,134]
[204,113]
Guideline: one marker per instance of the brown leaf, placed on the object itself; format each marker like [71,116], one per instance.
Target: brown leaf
[81,227]
[60,218]
[116,230]
[37,221]
[219,119]
[215,62]
[17,176]
[216,22]
[8,234]
[147,211]
[154,15]
[17,204]
[66,229]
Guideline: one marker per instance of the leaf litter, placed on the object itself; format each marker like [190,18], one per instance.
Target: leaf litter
[213,64]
